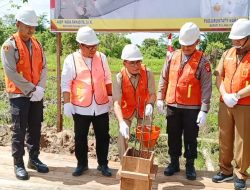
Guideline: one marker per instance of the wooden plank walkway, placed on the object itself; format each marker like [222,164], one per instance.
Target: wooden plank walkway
[60,178]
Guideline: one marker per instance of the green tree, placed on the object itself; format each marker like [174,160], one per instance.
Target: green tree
[5,31]
[43,23]
[209,37]
[149,42]
[214,51]
[175,42]
[152,49]
[15,5]
[48,40]
[9,20]
[111,44]
[69,43]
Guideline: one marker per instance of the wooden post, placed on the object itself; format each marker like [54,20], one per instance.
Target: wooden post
[58,72]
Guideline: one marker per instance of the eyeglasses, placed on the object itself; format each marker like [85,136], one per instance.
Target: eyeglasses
[89,47]
[134,63]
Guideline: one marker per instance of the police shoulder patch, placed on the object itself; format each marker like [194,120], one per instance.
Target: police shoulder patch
[6,47]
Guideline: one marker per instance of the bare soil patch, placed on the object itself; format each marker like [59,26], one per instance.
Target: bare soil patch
[60,142]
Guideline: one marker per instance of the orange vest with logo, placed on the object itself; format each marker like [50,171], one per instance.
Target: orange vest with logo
[134,99]
[237,77]
[88,82]
[29,67]
[183,86]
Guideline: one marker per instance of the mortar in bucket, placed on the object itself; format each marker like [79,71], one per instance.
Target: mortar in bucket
[148,140]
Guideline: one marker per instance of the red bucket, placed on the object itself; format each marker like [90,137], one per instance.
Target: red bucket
[149,140]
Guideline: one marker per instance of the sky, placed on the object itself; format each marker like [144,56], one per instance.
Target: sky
[40,6]
[43,6]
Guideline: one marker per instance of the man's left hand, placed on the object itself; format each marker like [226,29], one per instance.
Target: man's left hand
[201,119]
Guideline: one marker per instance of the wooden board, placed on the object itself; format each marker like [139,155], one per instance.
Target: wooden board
[60,177]
[129,184]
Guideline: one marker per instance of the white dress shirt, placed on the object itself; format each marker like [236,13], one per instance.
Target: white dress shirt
[68,75]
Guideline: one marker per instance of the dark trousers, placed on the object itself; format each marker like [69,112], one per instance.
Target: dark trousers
[182,121]
[101,129]
[26,120]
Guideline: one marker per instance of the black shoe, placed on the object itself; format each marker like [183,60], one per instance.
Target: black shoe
[79,170]
[173,167]
[240,184]
[220,177]
[190,173]
[105,170]
[19,169]
[21,173]
[190,169]
[36,164]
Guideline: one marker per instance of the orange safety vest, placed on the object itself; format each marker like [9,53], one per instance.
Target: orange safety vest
[134,98]
[237,77]
[183,86]
[88,82]
[29,68]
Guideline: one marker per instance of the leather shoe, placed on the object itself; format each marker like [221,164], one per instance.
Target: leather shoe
[173,167]
[37,165]
[240,184]
[79,170]
[105,170]
[19,169]
[190,173]
[21,173]
[190,169]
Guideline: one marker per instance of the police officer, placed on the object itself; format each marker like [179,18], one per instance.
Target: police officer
[185,85]
[133,91]
[232,80]
[25,68]
[86,87]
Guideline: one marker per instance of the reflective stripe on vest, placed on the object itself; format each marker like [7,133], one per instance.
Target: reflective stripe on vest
[30,69]
[237,77]
[88,82]
[134,99]
[183,86]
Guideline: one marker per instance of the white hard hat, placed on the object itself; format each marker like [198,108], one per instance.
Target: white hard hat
[240,29]
[189,34]
[131,53]
[27,16]
[87,35]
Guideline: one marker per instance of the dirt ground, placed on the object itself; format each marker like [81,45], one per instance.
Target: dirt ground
[60,142]
[5,135]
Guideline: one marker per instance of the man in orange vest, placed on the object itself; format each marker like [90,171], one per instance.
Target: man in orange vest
[25,76]
[185,85]
[86,87]
[133,93]
[232,80]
